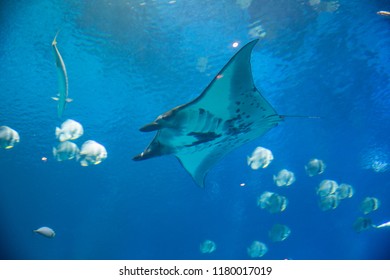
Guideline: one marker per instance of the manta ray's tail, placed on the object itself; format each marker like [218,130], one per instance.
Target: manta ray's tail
[297,116]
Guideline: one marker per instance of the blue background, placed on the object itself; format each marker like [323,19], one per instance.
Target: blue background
[127,63]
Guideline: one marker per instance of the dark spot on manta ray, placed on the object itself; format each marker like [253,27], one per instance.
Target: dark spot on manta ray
[229,123]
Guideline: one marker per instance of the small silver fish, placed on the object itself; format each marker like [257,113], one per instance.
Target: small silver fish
[45,231]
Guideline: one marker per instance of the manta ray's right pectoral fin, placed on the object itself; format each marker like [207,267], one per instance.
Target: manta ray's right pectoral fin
[150,127]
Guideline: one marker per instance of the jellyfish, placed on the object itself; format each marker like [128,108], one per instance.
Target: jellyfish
[272,202]
[8,137]
[315,167]
[344,191]
[65,151]
[279,232]
[329,202]
[362,224]
[207,247]
[257,249]
[260,158]
[284,178]
[327,187]
[369,204]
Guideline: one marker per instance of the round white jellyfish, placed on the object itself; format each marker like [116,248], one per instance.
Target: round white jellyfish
[70,130]
[66,151]
[260,158]
[8,137]
[257,249]
[362,224]
[92,153]
[315,167]
[284,178]
[207,247]
[45,231]
[272,202]
[279,233]
[327,187]
[329,202]
[262,201]
[344,191]
[369,204]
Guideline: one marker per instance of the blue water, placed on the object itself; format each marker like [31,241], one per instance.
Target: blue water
[128,62]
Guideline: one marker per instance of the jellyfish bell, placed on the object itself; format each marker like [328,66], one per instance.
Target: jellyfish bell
[344,191]
[279,233]
[362,224]
[257,249]
[92,153]
[65,151]
[327,187]
[370,204]
[315,167]
[69,130]
[272,202]
[260,158]
[262,201]
[284,178]
[207,247]
[329,202]
[8,137]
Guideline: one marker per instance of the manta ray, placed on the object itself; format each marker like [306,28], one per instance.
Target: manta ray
[229,113]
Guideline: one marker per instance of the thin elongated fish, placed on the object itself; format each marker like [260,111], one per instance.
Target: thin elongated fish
[62,97]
